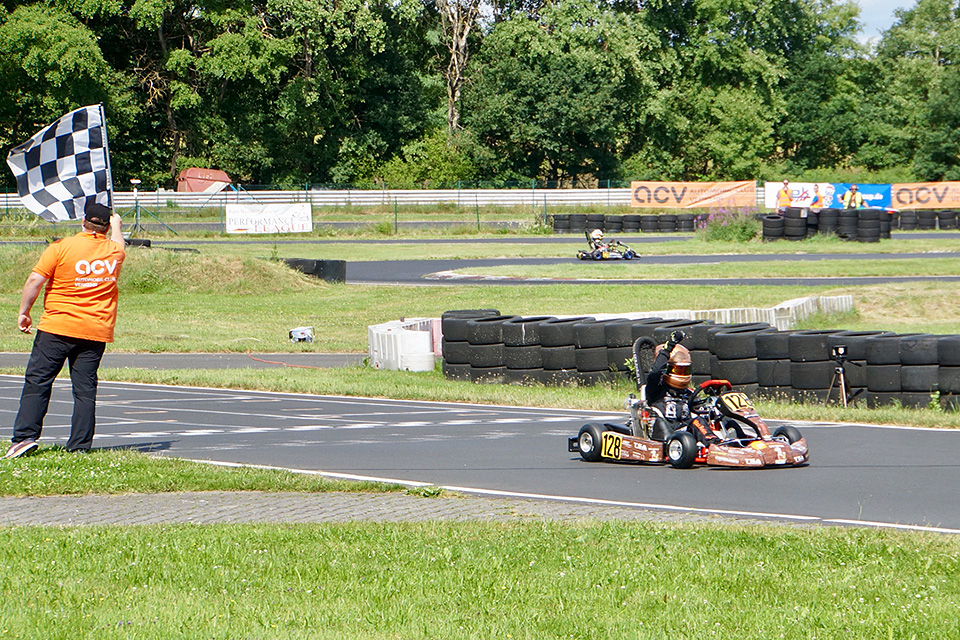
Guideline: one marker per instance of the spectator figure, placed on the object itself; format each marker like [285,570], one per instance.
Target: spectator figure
[79,312]
[853,199]
[816,200]
[784,198]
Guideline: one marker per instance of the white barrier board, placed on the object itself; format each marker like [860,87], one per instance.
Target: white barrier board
[269,218]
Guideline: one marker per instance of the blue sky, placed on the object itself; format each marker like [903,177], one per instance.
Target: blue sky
[877,15]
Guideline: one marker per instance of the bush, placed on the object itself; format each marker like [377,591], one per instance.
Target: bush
[729,225]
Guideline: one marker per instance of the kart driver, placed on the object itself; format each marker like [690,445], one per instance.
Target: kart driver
[596,240]
[668,392]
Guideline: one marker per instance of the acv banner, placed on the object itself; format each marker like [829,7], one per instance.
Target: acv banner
[693,195]
[926,195]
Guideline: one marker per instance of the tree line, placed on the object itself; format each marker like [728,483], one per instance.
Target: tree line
[433,92]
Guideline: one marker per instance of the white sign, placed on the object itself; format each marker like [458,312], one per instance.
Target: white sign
[269,218]
[801,193]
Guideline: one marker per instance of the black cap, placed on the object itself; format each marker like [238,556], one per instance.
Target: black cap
[96,213]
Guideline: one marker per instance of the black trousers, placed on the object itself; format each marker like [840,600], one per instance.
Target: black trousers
[49,353]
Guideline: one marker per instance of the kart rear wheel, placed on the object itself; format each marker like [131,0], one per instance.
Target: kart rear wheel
[591,435]
[792,434]
[681,450]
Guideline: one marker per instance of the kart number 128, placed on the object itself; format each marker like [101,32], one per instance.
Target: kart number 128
[611,445]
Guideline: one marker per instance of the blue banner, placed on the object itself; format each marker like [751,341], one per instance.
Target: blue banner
[875,196]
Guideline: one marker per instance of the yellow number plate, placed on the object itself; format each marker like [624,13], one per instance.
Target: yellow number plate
[611,446]
[736,401]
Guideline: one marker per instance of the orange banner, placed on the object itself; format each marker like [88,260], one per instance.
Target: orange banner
[925,195]
[693,195]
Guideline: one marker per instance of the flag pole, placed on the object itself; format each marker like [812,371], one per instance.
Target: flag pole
[106,150]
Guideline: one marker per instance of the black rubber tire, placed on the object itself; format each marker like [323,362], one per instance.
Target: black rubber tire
[948,379]
[486,355]
[791,433]
[855,372]
[743,371]
[811,375]
[773,373]
[526,357]
[488,330]
[773,345]
[667,222]
[522,332]
[454,327]
[698,337]
[589,334]
[883,377]
[559,332]
[948,351]
[456,351]
[617,357]
[591,359]
[809,346]
[868,215]
[700,362]
[736,344]
[618,333]
[883,350]
[681,449]
[920,349]
[558,358]
[924,377]
[487,375]
[793,213]
[772,222]
[455,371]
[643,328]
[590,438]
[524,377]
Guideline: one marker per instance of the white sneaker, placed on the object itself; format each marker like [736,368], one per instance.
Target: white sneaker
[22,448]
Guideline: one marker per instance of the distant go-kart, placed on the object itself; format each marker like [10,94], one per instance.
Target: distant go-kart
[611,250]
[745,439]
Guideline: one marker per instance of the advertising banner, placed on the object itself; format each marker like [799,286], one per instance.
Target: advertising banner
[269,218]
[693,195]
[926,195]
[874,195]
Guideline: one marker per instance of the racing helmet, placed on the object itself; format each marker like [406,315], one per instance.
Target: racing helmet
[596,234]
[677,373]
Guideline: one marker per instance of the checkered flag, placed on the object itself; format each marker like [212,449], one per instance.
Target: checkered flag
[65,166]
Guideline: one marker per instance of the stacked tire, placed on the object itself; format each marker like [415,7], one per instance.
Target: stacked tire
[902,368]
[522,353]
[590,354]
[686,222]
[558,349]
[667,222]
[619,339]
[631,223]
[773,365]
[868,225]
[455,347]
[811,365]
[733,349]
[908,220]
[487,362]
[794,224]
[649,223]
[577,223]
[948,382]
[947,220]
[773,227]
[595,221]
[829,221]
[926,219]
[561,223]
[847,224]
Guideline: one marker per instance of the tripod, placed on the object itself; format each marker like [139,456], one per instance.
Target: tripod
[840,379]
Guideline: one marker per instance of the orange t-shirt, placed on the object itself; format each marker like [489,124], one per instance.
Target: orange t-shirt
[81,296]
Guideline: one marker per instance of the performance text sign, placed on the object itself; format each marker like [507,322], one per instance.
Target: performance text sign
[269,218]
[693,195]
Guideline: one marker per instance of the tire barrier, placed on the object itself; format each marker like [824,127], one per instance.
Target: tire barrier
[628,223]
[879,367]
[860,225]
[328,270]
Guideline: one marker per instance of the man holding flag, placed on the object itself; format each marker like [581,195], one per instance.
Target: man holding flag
[64,170]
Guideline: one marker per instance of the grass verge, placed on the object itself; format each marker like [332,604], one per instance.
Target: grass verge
[476,580]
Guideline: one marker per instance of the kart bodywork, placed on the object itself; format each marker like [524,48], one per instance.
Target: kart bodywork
[613,250]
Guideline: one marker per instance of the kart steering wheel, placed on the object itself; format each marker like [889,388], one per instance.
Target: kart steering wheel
[711,389]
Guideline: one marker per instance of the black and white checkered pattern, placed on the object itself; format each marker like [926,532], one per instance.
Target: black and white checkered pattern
[64,166]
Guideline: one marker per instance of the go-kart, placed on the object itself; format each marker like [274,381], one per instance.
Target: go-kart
[744,440]
[611,250]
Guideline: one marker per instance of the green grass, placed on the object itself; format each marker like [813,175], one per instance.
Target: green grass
[53,471]
[476,580]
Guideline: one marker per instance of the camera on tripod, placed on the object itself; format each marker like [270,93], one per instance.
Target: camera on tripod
[839,353]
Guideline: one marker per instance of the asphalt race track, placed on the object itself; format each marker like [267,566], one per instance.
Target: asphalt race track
[859,475]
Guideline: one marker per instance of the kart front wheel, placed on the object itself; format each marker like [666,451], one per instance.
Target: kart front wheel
[681,450]
[792,434]
[629,255]
[590,438]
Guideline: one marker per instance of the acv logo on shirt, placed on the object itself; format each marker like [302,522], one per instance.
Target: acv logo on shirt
[97,267]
